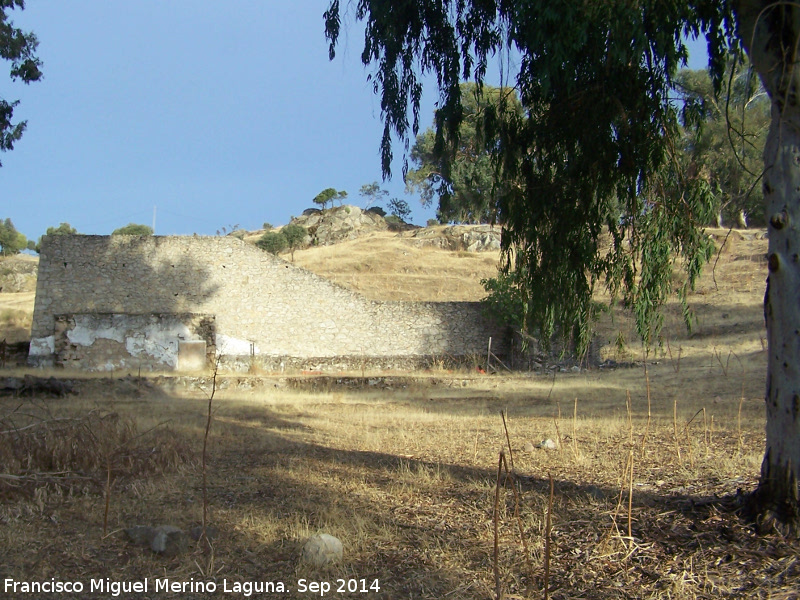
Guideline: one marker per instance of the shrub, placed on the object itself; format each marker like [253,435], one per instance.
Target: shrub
[133,229]
[273,242]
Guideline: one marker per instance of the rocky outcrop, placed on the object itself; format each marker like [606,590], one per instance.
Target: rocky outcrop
[339,224]
[470,238]
[18,274]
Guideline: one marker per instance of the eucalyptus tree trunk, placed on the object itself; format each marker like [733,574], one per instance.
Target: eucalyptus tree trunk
[769,32]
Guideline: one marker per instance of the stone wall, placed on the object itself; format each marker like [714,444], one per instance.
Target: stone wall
[262,309]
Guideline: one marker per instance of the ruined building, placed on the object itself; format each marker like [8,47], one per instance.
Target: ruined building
[177,303]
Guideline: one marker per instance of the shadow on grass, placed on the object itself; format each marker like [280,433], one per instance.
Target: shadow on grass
[422,528]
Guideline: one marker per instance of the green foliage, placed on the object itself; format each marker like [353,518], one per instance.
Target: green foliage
[395,222]
[462,179]
[723,138]
[377,210]
[595,139]
[328,195]
[267,226]
[62,229]
[507,300]
[11,240]
[294,234]
[133,229]
[273,242]
[399,208]
[18,47]
[372,193]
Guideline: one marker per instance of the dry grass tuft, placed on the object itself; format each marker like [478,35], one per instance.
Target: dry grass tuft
[37,448]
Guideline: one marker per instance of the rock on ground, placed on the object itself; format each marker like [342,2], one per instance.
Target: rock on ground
[322,549]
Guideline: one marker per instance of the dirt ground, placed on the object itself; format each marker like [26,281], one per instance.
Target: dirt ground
[651,462]
[404,472]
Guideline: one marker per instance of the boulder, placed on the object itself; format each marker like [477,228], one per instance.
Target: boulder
[471,238]
[166,540]
[322,549]
[339,224]
[169,541]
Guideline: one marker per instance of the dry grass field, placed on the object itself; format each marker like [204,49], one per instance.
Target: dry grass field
[647,474]
[392,266]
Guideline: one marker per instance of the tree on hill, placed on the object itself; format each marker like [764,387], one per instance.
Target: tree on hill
[294,234]
[400,209]
[597,140]
[11,240]
[133,229]
[273,242]
[328,195]
[462,182]
[17,46]
[373,194]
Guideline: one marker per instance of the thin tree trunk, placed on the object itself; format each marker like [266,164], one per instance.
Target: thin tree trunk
[769,33]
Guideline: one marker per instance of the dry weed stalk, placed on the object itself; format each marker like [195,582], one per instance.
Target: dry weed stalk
[711,431]
[518,517]
[688,437]
[739,443]
[517,500]
[203,535]
[574,428]
[510,475]
[496,514]
[556,419]
[107,495]
[630,417]
[547,533]
[725,366]
[508,439]
[630,497]
[649,407]
[676,364]
[626,485]
[675,430]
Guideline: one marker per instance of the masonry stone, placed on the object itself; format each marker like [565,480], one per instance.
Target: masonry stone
[151,302]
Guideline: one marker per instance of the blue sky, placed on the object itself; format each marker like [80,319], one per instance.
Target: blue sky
[216,114]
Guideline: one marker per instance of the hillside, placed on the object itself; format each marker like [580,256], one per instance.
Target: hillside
[414,265]
[17,293]
[396,266]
